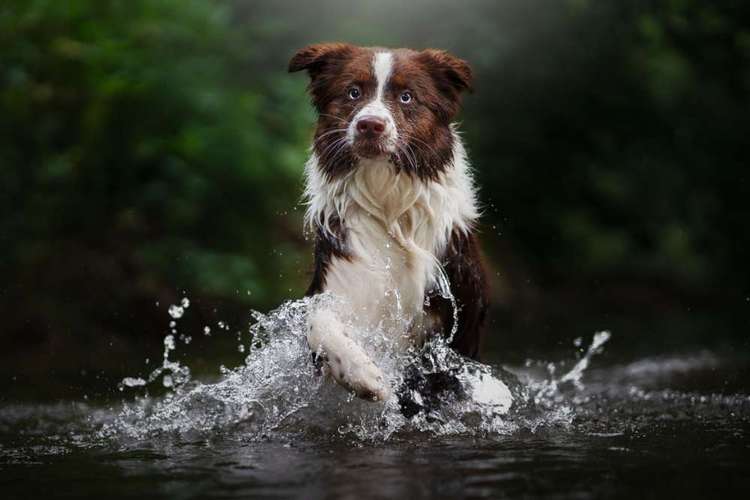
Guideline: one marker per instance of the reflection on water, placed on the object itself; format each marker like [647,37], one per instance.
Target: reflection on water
[659,426]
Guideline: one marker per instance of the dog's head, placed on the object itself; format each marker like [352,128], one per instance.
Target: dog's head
[380,103]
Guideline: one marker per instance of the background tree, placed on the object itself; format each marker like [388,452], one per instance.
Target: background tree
[154,149]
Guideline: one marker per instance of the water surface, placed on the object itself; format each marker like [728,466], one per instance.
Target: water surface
[582,427]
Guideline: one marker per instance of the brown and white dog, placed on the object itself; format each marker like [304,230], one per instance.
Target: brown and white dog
[392,204]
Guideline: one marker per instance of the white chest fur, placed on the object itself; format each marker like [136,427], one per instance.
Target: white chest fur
[396,228]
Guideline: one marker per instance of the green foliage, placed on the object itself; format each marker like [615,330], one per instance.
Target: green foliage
[621,150]
[151,147]
[141,134]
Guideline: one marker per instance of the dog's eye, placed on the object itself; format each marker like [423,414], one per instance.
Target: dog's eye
[405,97]
[354,93]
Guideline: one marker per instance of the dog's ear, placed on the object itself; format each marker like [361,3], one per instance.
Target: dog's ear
[451,74]
[315,58]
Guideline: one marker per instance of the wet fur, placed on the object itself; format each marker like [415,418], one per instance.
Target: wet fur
[398,219]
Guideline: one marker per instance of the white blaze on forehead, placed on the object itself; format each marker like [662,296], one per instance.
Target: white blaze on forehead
[382,65]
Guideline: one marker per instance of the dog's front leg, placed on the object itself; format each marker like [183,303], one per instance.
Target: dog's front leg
[343,359]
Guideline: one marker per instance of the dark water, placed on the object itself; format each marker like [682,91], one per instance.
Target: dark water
[666,426]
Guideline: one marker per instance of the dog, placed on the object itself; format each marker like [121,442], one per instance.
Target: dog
[392,204]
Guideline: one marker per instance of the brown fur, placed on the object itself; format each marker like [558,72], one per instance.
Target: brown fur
[466,273]
[327,246]
[436,81]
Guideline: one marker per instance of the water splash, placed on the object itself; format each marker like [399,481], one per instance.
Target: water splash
[278,390]
[550,389]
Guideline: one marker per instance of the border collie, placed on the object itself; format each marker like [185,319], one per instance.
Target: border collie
[392,205]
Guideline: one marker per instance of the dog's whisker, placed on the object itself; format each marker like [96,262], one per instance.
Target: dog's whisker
[334,117]
[411,162]
[332,146]
[341,148]
[408,155]
[413,156]
[421,144]
[332,131]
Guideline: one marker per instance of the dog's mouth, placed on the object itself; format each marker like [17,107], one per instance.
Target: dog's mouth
[371,148]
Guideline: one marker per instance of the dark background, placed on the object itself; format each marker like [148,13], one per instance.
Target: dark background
[151,150]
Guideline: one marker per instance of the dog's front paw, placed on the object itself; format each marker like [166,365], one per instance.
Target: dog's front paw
[346,361]
[356,371]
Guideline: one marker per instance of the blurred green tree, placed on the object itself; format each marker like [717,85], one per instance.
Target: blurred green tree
[143,153]
[151,148]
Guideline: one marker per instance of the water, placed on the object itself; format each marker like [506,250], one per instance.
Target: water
[572,427]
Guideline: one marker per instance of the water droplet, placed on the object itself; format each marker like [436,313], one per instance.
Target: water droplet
[169,343]
[133,382]
[176,311]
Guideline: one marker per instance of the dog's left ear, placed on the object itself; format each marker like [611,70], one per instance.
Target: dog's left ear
[315,58]
[451,74]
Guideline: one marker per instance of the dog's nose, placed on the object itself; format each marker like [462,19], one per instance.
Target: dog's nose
[370,126]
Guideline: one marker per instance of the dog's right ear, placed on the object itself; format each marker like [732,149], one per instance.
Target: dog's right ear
[314,58]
